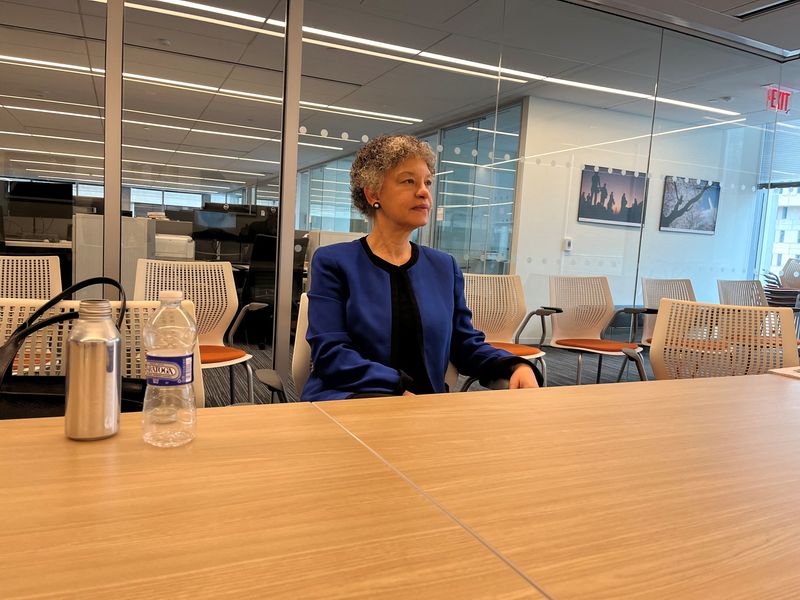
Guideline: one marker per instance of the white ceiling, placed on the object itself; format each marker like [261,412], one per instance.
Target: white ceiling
[769,25]
[544,37]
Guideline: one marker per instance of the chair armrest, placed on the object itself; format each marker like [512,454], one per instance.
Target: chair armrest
[549,310]
[273,381]
[498,384]
[638,310]
[252,307]
[542,312]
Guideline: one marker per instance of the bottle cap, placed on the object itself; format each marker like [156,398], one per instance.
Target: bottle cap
[170,295]
[94,309]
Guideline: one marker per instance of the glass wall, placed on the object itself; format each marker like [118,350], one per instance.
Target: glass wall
[202,113]
[569,141]
[51,133]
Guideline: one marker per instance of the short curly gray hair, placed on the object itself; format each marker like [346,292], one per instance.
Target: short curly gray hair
[378,156]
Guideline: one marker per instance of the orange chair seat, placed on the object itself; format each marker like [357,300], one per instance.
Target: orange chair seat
[600,345]
[217,354]
[516,349]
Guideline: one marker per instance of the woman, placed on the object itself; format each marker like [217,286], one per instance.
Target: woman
[386,315]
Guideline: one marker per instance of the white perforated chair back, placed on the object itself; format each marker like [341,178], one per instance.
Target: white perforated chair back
[497,303]
[741,293]
[587,304]
[44,352]
[29,277]
[692,339]
[790,274]
[301,353]
[210,285]
[653,290]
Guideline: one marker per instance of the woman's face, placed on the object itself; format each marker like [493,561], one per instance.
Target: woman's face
[405,196]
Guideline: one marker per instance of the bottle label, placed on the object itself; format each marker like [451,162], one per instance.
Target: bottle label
[169,370]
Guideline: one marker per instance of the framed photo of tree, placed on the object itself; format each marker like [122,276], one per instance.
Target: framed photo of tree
[689,205]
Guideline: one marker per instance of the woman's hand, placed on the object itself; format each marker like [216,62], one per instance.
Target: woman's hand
[407,393]
[522,377]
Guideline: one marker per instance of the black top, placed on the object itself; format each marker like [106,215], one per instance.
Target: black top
[407,355]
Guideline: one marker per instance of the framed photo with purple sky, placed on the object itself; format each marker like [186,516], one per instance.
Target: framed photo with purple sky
[612,196]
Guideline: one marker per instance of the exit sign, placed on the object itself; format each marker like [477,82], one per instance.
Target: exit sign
[778,99]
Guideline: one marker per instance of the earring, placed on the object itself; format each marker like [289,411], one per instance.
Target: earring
[376,205]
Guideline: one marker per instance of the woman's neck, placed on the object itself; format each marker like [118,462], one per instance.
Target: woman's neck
[393,247]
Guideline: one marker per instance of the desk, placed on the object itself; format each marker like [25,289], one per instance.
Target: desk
[38,244]
[664,489]
[268,502]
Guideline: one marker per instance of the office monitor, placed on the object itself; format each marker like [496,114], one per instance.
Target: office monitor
[209,224]
[227,208]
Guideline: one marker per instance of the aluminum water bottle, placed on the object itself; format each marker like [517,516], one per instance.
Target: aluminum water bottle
[169,414]
[94,375]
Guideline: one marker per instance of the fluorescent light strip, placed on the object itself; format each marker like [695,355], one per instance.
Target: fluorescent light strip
[146,186]
[492,131]
[337,169]
[71,179]
[332,191]
[158,164]
[63,173]
[441,173]
[412,61]
[152,114]
[214,9]
[495,187]
[319,146]
[31,151]
[242,158]
[627,139]
[474,166]
[352,38]
[164,126]
[51,101]
[331,182]
[49,137]
[465,195]
[491,204]
[50,112]
[43,63]
[55,164]
[156,181]
[181,176]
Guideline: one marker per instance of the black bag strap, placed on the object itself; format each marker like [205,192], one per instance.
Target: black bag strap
[69,291]
[14,342]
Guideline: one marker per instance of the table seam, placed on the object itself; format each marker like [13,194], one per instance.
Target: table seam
[518,570]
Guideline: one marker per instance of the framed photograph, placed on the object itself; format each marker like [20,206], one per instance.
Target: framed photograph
[611,196]
[690,205]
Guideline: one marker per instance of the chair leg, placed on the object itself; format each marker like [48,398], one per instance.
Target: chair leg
[622,370]
[580,368]
[467,384]
[250,391]
[599,366]
[543,369]
[230,375]
[636,357]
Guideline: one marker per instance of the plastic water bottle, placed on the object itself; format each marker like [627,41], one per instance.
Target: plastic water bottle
[169,415]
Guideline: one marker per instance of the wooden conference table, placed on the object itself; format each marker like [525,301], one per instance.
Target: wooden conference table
[674,489]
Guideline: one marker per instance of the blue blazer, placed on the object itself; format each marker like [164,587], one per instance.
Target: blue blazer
[350,324]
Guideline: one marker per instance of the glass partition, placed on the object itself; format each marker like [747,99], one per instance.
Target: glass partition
[51,137]
[587,113]
[202,111]
[704,206]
